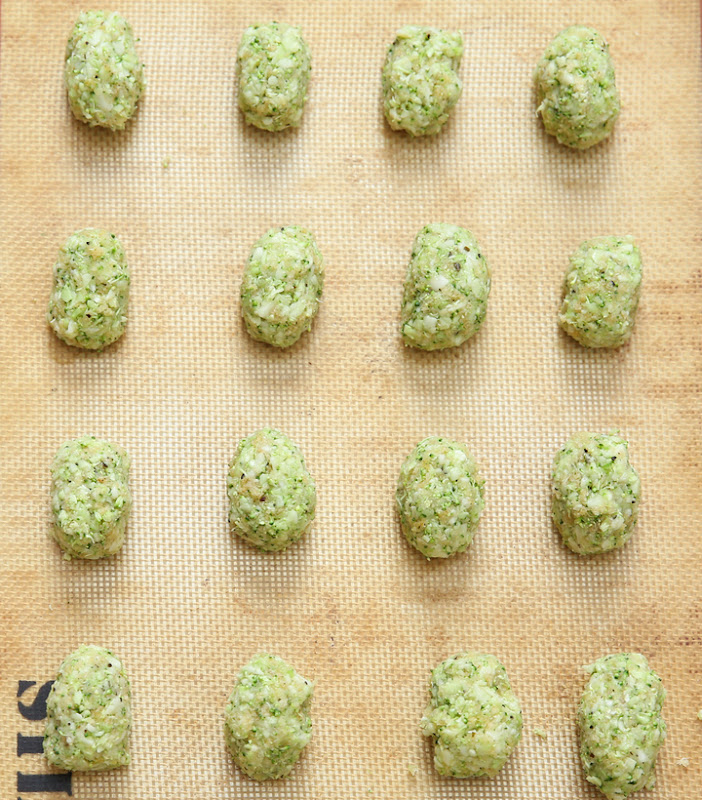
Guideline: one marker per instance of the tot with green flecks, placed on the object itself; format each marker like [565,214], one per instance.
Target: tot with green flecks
[88,713]
[420,80]
[272,497]
[267,721]
[281,287]
[439,497]
[595,493]
[273,73]
[601,292]
[473,716]
[90,497]
[620,725]
[103,74]
[446,288]
[577,94]
[90,293]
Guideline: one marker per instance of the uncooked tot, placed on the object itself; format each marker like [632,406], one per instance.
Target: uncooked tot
[267,719]
[281,288]
[577,94]
[273,71]
[620,724]
[420,79]
[90,295]
[88,713]
[601,292]
[439,497]
[272,497]
[595,492]
[104,76]
[90,497]
[473,716]
[446,288]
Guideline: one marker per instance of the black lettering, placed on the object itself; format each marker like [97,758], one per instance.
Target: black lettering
[56,782]
[37,710]
[29,744]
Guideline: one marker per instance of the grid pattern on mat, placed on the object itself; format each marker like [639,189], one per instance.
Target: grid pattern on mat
[189,188]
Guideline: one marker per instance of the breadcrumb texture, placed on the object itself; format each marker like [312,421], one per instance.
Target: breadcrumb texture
[446,288]
[439,497]
[595,492]
[420,79]
[281,288]
[620,724]
[90,497]
[90,295]
[88,713]
[473,716]
[577,93]
[601,292]
[103,74]
[273,72]
[271,494]
[267,719]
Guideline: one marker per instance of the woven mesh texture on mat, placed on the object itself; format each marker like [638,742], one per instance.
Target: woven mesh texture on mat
[188,188]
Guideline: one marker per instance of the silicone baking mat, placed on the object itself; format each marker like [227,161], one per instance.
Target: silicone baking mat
[189,188]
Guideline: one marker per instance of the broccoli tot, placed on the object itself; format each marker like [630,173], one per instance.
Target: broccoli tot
[420,79]
[620,725]
[601,292]
[281,288]
[473,716]
[578,98]
[272,497]
[103,74]
[88,713]
[439,497]
[90,295]
[595,493]
[90,497]
[446,288]
[273,71]
[267,721]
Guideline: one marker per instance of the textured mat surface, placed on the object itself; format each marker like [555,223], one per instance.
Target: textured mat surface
[189,188]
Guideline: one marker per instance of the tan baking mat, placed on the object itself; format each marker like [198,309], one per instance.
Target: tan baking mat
[189,188]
